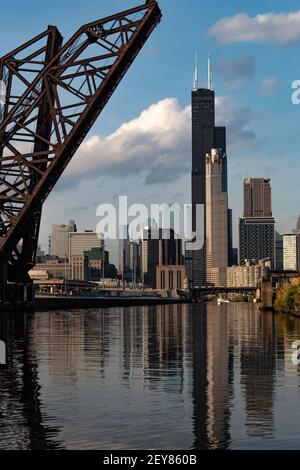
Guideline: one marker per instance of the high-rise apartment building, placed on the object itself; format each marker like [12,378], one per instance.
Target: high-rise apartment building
[59,240]
[205,136]
[291,252]
[249,274]
[216,240]
[257,227]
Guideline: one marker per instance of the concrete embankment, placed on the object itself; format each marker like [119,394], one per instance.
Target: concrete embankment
[43,304]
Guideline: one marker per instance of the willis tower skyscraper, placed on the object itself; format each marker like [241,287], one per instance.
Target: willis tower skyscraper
[205,136]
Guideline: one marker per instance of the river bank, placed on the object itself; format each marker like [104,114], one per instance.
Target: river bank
[287,299]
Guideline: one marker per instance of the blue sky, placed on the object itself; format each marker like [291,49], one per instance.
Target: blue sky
[252,78]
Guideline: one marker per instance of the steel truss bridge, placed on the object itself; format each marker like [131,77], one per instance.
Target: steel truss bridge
[54,91]
[222,290]
[197,293]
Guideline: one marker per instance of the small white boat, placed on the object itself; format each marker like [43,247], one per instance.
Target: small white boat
[220,301]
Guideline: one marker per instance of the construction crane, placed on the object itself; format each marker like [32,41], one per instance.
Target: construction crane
[51,95]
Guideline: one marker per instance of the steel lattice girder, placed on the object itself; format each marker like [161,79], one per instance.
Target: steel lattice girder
[54,94]
[38,52]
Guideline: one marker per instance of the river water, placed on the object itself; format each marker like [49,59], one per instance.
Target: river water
[162,377]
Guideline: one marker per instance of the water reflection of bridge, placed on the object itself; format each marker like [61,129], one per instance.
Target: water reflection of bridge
[198,293]
[21,424]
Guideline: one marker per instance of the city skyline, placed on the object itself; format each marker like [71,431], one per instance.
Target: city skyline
[209,189]
[246,102]
[163,173]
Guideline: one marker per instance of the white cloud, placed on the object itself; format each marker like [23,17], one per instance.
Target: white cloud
[269,27]
[268,86]
[156,141]
[156,146]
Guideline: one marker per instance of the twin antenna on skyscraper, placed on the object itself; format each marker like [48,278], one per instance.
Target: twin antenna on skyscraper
[209,74]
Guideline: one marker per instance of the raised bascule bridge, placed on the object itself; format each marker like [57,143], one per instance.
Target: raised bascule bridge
[52,92]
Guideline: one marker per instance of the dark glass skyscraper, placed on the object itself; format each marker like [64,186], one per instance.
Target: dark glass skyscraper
[220,143]
[257,227]
[203,121]
[205,136]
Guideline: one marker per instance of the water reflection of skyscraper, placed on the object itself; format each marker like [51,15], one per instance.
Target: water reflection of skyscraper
[184,350]
[218,388]
[75,341]
[199,372]
[164,345]
[154,337]
[167,372]
[212,381]
[258,370]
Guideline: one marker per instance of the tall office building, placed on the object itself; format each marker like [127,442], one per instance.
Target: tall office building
[99,266]
[159,248]
[205,136]
[234,257]
[291,252]
[257,197]
[135,261]
[216,240]
[124,257]
[83,241]
[230,237]
[278,251]
[150,256]
[40,255]
[132,262]
[257,227]
[220,143]
[129,256]
[84,249]
[59,240]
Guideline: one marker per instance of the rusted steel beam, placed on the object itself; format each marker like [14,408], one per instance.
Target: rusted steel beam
[82,73]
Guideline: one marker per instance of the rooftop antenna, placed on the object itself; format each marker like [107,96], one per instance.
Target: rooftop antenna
[196,80]
[209,74]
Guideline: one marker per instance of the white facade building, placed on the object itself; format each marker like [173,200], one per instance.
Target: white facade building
[291,252]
